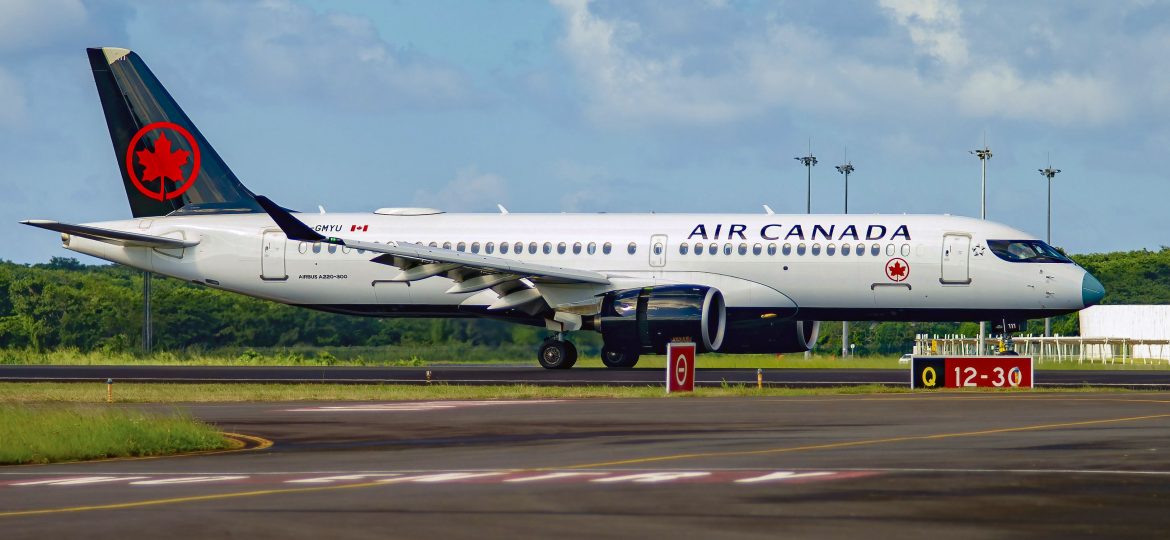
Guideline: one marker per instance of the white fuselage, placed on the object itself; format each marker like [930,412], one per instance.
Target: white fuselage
[807,267]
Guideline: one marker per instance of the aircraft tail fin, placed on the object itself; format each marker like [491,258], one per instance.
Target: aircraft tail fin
[166,164]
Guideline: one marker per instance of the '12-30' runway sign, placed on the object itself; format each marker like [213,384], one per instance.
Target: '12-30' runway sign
[680,367]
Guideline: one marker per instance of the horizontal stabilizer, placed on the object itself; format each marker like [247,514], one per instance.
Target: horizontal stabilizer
[293,228]
[110,236]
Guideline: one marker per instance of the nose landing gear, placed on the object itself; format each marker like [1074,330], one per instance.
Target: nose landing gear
[556,353]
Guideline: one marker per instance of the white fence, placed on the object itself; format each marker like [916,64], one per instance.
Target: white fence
[1055,349]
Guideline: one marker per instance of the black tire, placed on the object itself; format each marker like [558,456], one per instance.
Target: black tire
[618,358]
[557,355]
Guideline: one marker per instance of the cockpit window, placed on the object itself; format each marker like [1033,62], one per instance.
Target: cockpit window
[1029,251]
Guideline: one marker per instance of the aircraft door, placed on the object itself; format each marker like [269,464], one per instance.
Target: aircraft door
[658,250]
[956,267]
[272,256]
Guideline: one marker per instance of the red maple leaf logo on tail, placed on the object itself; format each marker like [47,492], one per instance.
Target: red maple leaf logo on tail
[161,162]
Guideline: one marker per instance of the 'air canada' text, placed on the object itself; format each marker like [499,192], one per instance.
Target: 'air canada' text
[776,231]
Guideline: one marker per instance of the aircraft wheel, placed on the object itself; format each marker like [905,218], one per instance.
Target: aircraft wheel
[557,354]
[618,358]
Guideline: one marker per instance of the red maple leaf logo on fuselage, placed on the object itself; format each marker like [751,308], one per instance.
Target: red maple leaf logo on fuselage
[161,163]
[897,270]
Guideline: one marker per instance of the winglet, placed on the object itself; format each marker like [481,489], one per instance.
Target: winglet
[293,228]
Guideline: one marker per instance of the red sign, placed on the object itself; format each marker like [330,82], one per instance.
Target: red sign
[972,372]
[161,163]
[897,269]
[680,367]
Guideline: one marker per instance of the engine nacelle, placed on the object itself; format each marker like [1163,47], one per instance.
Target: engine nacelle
[750,333]
[645,320]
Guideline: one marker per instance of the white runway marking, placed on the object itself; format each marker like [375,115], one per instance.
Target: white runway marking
[187,480]
[416,406]
[509,477]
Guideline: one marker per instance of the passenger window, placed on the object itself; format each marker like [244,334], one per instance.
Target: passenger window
[905,250]
[698,248]
[576,248]
[658,248]
[875,250]
[682,248]
[303,248]
[461,247]
[503,248]
[743,249]
[713,248]
[547,248]
[489,248]
[561,248]
[800,249]
[591,248]
[475,247]
[757,249]
[831,250]
[727,249]
[787,250]
[860,249]
[816,249]
[316,247]
[606,248]
[771,249]
[532,248]
[632,248]
[446,245]
[332,248]
[433,244]
[518,248]
[845,249]
[890,250]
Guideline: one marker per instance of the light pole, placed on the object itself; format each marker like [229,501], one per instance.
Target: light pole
[845,170]
[983,155]
[809,162]
[147,324]
[1049,172]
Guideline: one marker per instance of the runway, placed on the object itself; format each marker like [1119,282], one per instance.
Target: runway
[965,465]
[492,375]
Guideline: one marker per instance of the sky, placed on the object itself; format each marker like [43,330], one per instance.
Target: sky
[614,106]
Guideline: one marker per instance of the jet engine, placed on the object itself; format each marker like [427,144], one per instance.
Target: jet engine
[752,333]
[645,320]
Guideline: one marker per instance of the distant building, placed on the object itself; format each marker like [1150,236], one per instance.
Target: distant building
[1135,323]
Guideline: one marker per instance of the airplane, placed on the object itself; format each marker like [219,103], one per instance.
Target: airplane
[731,283]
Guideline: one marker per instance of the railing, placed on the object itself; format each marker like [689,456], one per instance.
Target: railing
[1055,349]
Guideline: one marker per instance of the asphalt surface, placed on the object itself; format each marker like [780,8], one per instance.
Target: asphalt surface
[1148,379]
[959,465]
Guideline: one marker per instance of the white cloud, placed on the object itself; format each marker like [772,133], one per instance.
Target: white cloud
[781,66]
[282,48]
[1062,98]
[934,27]
[470,190]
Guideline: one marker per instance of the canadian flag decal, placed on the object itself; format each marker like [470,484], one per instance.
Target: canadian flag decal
[362,228]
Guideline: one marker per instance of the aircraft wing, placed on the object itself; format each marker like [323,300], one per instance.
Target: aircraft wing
[512,280]
[110,236]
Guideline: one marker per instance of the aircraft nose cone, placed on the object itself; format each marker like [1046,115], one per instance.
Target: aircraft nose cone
[1092,291]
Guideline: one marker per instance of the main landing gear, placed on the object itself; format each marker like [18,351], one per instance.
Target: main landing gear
[556,353]
[618,358]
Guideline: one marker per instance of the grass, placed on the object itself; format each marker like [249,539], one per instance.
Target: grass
[471,356]
[226,393]
[44,433]
[211,393]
